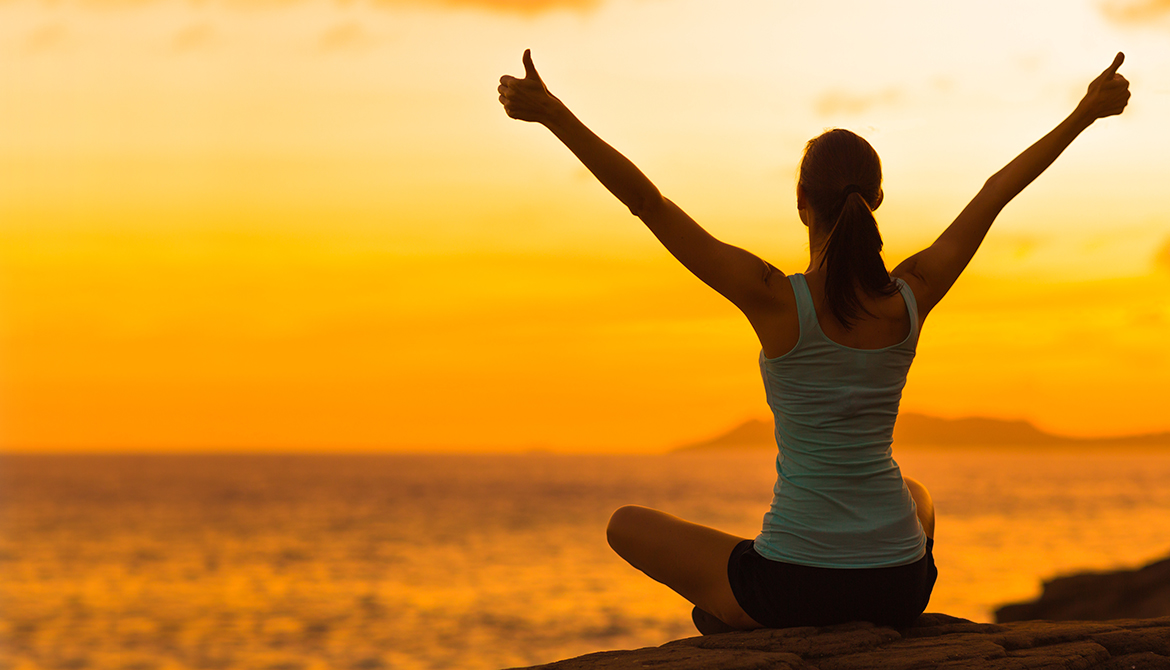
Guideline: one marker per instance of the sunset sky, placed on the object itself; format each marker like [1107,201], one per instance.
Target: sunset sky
[308,225]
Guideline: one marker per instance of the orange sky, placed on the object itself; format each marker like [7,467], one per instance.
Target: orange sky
[304,224]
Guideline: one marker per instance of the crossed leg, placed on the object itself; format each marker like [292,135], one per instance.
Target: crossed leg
[689,558]
[692,559]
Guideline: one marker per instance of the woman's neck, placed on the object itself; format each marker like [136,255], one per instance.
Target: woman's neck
[816,241]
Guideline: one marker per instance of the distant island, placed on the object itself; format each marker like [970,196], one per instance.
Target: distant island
[922,430]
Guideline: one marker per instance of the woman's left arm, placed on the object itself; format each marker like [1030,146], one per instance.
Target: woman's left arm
[738,275]
[932,271]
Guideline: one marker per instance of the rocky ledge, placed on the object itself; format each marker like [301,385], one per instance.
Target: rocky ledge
[934,641]
[1099,596]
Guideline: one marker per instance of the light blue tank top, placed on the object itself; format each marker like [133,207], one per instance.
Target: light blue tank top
[839,499]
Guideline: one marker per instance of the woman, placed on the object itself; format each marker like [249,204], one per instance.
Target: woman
[847,537]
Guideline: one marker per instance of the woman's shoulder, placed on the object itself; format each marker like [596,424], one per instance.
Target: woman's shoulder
[777,325]
[779,286]
[908,272]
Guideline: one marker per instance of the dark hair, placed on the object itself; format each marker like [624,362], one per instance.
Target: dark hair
[841,176]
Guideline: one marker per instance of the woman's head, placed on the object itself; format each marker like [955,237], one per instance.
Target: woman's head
[841,182]
[834,161]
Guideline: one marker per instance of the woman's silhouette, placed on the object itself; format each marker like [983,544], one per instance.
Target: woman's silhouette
[847,537]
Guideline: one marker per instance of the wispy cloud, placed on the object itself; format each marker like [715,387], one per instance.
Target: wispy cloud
[193,37]
[1024,246]
[529,7]
[842,102]
[1162,257]
[522,7]
[1135,11]
[46,38]
[346,37]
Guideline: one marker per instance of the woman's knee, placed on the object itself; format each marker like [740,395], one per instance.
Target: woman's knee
[623,526]
[923,504]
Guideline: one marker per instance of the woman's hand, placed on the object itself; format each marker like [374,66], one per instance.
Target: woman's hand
[527,99]
[1108,94]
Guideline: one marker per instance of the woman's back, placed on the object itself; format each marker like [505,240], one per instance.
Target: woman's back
[886,321]
[839,499]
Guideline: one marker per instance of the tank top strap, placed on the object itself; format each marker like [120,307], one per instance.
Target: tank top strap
[911,309]
[805,310]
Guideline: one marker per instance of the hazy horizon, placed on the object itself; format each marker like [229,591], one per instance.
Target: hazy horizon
[919,441]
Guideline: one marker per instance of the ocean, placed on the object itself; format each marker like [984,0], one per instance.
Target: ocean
[486,561]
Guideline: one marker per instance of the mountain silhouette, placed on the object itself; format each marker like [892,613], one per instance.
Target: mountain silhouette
[920,429]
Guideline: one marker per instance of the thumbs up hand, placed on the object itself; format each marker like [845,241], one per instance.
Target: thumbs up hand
[528,99]
[1108,94]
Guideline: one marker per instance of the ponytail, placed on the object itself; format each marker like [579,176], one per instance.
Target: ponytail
[853,260]
[841,176]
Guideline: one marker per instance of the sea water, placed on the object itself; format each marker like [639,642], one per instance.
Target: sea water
[486,561]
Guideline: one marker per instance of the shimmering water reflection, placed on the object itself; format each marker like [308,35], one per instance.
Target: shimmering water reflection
[299,562]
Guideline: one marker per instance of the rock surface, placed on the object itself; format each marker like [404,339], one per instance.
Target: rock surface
[934,641]
[1098,596]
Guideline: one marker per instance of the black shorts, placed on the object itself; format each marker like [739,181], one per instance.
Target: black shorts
[782,595]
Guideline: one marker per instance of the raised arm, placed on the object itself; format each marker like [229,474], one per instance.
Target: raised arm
[738,275]
[932,271]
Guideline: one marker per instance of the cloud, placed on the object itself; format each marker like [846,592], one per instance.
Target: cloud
[1023,247]
[46,38]
[193,37]
[529,7]
[838,102]
[345,37]
[523,7]
[1029,62]
[526,7]
[1135,11]
[942,84]
[1162,257]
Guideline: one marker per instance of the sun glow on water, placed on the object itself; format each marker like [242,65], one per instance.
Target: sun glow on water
[431,561]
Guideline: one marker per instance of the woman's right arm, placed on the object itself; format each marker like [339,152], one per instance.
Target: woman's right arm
[932,271]
[740,276]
